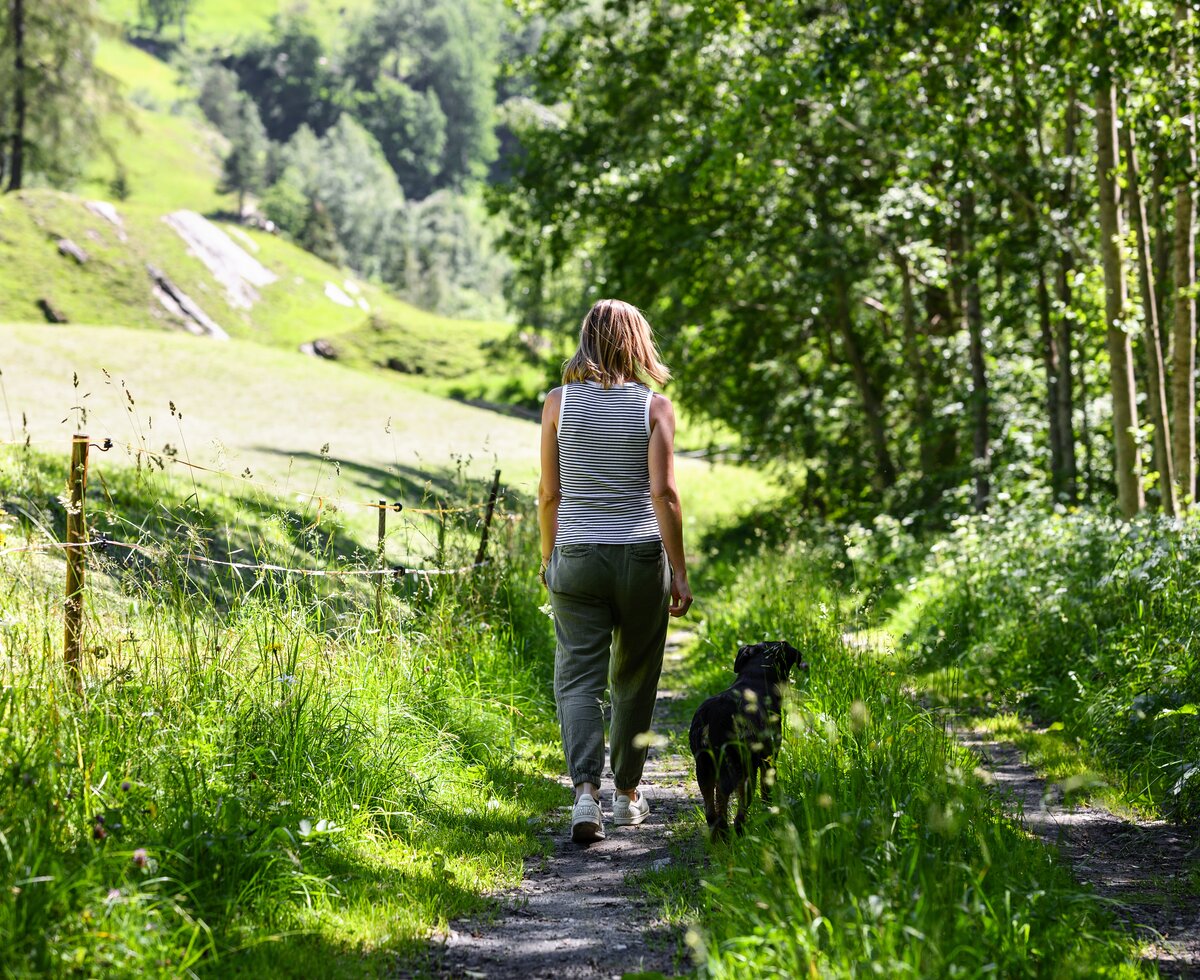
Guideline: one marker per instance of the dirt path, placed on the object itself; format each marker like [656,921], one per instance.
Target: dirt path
[1142,867]
[574,915]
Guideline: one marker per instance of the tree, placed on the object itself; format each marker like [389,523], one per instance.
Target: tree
[161,12]
[411,130]
[424,81]
[219,97]
[1120,353]
[53,93]
[289,75]
[1183,372]
[243,168]
[350,188]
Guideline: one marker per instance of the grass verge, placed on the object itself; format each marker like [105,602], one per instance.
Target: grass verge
[887,855]
[259,774]
[1083,623]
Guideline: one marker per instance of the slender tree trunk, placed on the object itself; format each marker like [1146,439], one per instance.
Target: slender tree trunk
[1130,497]
[1053,379]
[1156,385]
[885,471]
[1183,366]
[1159,216]
[972,315]
[1063,342]
[915,362]
[1085,423]
[16,171]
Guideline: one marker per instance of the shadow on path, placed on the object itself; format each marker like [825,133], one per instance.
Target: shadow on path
[574,916]
[1143,867]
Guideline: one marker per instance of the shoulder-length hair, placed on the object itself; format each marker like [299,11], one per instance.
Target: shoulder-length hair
[615,345]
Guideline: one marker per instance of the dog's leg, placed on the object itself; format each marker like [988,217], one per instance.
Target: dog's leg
[708,791]
[719,825]
[766,779]
[745,794]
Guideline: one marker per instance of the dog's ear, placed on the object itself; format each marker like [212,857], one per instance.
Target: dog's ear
[743,656]
[790,655]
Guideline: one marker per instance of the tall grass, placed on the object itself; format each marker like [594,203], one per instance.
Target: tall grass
[1085,622]
[887,856]
[260,773]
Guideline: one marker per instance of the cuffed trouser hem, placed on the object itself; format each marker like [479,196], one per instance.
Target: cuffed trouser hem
[584,777]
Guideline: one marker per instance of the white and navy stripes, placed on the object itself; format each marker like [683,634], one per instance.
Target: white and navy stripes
[603,465]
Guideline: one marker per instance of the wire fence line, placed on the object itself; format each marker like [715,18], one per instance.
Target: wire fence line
[102,543]
[164,458]
[80,540]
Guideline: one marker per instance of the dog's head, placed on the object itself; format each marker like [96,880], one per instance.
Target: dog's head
[777,653]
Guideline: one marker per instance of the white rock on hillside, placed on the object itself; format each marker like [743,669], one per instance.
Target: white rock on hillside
[239,272]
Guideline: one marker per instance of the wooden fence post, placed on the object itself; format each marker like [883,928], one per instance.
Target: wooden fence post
[76,536]
[487,519]
[440,558]
[379,559]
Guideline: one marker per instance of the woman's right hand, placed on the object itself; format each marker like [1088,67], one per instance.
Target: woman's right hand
[681,594]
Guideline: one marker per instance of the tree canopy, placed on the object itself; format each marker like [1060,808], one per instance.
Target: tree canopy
[870,234]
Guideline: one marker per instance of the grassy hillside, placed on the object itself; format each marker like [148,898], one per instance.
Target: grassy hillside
[247,406]
[114,287]
[221,21]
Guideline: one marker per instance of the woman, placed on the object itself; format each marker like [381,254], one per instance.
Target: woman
[612,553]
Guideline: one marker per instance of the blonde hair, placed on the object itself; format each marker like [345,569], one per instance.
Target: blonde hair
[616,345]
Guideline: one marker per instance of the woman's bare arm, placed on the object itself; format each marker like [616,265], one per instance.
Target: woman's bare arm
[549,487]
[665,495]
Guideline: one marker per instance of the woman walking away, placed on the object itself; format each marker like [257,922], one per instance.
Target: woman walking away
[612,553]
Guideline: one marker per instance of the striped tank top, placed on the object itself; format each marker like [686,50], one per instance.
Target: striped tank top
[603,465]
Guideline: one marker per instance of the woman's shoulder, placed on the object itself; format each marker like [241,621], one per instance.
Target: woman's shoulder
[551,404]
[661,409]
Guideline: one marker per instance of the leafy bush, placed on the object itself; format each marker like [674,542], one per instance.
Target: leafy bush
[1084,620]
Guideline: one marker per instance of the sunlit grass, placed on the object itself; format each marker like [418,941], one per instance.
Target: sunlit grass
[259,770]
[887,855]
[1080,621]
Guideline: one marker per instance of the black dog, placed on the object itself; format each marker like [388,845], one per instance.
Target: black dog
[735,734]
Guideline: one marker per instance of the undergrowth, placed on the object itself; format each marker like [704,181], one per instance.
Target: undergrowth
[1085,623]
[887,856]
[259,773]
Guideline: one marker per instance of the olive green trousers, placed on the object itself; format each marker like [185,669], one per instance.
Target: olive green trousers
[610,620]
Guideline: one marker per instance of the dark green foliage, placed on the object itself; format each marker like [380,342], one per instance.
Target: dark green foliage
[858,228]
[339,183]
[218,97]
[244,166]
[63,92]
[411,129]
[288,76]
[163,12]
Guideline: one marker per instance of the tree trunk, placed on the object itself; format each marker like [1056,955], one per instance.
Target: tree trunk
[915,362]
[1053,379]
[1063,342]
[973,317]
[1183,362]
[1156,386]
[885,471]
[16,171]
[1159,216]
[1120,355]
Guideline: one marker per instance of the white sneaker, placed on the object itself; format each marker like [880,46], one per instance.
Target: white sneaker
[587,824]
[627,812]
